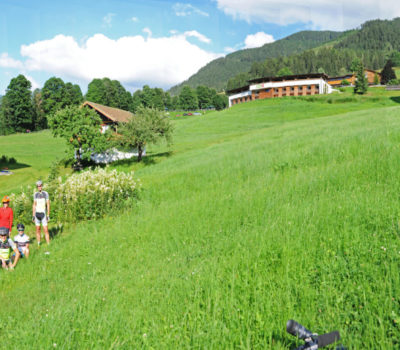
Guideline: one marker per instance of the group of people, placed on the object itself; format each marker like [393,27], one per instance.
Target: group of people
[11,250]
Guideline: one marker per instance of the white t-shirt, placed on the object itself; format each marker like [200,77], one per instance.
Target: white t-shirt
[21,240]
[40,198]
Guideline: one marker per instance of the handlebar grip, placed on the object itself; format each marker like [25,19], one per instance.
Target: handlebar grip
[328,338]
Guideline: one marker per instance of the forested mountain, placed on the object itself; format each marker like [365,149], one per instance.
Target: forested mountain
[374,35]
[216,73]
[303,52]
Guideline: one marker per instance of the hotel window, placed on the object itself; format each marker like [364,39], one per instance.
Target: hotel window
[292,88]
[309,87]
[300,88]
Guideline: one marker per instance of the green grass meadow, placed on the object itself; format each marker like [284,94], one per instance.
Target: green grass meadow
[271,210]
[34,152]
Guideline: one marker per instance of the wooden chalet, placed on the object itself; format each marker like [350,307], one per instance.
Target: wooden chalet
[337,81]
[110,116]
[351,78]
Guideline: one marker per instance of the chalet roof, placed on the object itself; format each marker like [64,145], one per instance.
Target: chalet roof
[342,77]
[289,77]
[238,90]
[115,114]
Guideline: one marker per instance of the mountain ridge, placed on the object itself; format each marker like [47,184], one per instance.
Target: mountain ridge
[371,41]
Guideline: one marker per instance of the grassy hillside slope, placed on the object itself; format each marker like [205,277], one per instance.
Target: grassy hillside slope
[34,153]
[268,211]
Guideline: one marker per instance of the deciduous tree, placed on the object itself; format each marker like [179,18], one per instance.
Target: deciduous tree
[148,125]
[109,93]
[54,96]
[188,99]
[80,127]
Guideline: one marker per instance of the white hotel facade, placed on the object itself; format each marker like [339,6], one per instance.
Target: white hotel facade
[271,87]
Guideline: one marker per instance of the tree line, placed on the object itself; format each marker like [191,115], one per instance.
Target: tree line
[22,110]
[328,60]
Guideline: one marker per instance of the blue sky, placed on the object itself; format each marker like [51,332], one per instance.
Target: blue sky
[154,42]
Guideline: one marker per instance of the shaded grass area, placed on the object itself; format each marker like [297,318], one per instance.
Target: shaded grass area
[34,152]
[273,215]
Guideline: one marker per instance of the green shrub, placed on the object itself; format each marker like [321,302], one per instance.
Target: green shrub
[345,82]
[82,196]
[394,82]
[4,160]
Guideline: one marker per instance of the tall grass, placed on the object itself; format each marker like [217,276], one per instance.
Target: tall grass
[82,196]
[263,213]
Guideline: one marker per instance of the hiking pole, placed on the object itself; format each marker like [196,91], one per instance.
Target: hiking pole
[312,341]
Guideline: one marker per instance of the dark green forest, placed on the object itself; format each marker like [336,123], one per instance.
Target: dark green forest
[216,73]
[304,52]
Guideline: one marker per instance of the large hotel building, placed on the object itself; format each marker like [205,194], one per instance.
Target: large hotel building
[290,85]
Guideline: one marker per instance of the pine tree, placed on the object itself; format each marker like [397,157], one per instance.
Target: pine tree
[387,73]
[361,85]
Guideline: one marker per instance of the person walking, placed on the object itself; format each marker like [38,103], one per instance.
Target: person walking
[6,214]
[41,205]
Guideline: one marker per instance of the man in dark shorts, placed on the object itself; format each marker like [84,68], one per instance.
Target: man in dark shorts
[41,205]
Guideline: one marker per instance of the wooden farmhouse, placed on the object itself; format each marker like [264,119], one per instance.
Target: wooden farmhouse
[351,78]
[289,85]
[110,116]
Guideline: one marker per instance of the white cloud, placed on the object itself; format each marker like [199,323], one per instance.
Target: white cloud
[132,60]
[257,40]
[147,31]
[134,19]
[8,62]
[319,14]
[182,10]
[107,19]
[196,34]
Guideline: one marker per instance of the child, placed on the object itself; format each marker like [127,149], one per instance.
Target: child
[6,246]
[22,241]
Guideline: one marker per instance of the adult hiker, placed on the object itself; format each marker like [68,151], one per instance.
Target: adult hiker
[6,214]
[22,241]
[6,246]
[41,205]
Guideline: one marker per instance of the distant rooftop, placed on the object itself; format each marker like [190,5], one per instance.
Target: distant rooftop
[114,114]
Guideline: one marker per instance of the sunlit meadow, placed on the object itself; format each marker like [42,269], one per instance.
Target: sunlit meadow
[268,211]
